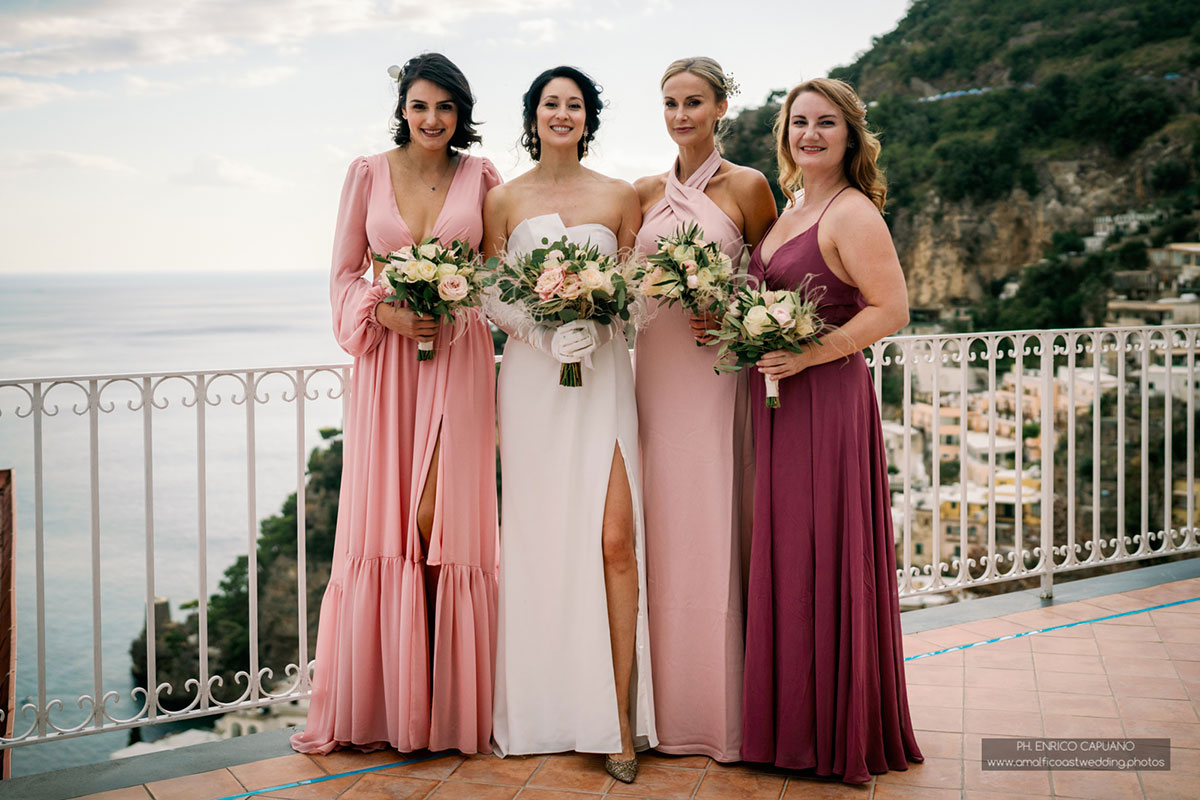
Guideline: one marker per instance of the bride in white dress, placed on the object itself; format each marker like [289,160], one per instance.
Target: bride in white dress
[573,657]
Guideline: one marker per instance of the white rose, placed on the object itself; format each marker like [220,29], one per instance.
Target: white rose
[429,251]
[422,270]
[446,268]
[705,278]
[609,286]
[684,253]
[693,282]
[592,278]
[553,258]
[404,253]
[768,296]
[804,326]
[757,319]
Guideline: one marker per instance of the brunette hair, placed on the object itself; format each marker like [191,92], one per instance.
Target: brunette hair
[862,145]
[591,104]
[441,71]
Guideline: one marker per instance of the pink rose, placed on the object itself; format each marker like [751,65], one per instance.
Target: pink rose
[690,266]
[549,282]
[782,315]
[453,288]
[571,288]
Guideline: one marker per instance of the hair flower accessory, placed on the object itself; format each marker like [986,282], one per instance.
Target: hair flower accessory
[732,87]
[394,72]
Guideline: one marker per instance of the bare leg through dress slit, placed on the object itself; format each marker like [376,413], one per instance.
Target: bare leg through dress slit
[621,588]
[426,510]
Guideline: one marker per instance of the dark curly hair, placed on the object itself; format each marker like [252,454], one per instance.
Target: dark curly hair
[439,70]
[591,104]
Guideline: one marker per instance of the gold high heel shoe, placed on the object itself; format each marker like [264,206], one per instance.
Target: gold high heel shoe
[624,770]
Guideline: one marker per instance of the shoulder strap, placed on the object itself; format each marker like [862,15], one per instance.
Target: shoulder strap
[827,205]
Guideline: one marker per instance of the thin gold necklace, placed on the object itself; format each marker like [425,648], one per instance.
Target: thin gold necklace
[413,168]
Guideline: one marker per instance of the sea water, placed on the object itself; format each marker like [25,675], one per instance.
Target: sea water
[81,324]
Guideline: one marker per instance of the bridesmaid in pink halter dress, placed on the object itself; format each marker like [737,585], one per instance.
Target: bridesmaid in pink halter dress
[694,436]
[418,492]
[825,683]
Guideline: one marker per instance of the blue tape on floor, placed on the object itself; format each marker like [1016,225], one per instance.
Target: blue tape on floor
[954,649]
[1006,637]
[323,778]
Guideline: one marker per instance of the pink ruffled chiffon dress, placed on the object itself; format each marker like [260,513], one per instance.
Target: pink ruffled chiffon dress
[695,443]
[379,681]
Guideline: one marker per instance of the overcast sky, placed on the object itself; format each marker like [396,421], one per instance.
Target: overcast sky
[215,134]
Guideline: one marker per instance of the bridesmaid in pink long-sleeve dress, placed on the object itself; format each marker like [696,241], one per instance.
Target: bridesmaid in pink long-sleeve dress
[694,435]
[418,493]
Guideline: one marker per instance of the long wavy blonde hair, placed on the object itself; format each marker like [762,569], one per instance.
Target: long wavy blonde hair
[862,146]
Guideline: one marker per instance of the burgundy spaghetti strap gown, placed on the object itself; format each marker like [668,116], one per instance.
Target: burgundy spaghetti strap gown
[824,670]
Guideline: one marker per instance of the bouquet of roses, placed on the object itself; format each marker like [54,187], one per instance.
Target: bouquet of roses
[690,271]
[432,279]
[760,321]
[564,282]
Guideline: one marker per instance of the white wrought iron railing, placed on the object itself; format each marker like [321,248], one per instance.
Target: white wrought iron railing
[1065,509]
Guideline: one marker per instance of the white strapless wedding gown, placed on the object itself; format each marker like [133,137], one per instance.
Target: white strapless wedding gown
[555,690]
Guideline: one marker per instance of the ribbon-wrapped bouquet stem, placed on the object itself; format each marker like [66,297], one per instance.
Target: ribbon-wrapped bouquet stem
[433,280]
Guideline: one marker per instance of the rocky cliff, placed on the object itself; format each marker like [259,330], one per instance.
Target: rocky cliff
[954,250]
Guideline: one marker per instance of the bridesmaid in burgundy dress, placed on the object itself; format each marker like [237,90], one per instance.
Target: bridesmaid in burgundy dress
[824,667]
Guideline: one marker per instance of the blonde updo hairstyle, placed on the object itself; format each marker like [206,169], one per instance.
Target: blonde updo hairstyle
[710,71]
[862,146]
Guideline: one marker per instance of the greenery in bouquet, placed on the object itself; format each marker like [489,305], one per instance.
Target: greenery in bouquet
[432,279]
[688,270]
[760,321]
[563,282]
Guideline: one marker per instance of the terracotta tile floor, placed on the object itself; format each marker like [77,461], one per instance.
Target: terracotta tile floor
[1136,676]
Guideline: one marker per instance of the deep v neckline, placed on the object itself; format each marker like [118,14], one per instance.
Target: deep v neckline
[462,159]
[762,245]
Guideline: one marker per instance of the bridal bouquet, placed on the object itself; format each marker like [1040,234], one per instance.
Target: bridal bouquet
[564,282]
[690,271]
[432,279]
[760,321]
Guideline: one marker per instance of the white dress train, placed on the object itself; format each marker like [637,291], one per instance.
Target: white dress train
[555,690]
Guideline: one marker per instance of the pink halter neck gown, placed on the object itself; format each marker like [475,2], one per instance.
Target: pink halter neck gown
[695,437]
[372,683]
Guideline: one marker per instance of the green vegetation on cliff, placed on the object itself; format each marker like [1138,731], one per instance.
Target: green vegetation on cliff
[960,44]
[1049,77]
[229,607]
